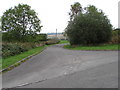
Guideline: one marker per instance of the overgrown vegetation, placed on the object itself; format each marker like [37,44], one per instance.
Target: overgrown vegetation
[11,49]
[89,26]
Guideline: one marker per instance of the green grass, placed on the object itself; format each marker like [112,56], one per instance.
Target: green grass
[100,47]
[63,41]
[13,59]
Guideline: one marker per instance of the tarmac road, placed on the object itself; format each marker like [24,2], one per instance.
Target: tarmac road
[56,67]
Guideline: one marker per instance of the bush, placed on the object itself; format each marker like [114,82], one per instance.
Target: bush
[89,28]
[11,49]
[115,37]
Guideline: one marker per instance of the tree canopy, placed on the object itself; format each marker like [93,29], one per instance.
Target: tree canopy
[90,27]
[20,21]
[76,8]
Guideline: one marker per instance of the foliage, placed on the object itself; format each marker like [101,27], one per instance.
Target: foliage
[115,36]
[76,8]
[11,49]
[89,28]
[19,22]
[36,38]
[40,37]
[27,38]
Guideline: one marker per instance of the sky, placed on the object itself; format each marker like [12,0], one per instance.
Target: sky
[54,13]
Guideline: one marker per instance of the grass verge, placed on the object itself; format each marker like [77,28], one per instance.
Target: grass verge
[63,41]
[94,48]
[13,59]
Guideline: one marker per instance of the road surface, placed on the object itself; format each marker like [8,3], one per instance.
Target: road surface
[57,67]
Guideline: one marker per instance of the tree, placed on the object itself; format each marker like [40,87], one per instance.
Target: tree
[20,21]
[89,28]
[76,8]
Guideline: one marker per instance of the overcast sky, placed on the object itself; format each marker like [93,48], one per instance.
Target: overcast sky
[54,13]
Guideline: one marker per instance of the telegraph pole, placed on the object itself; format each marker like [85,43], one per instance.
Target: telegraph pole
[56,32]
[119,14]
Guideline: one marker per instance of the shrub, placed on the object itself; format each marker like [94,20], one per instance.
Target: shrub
[11,49]
[115,37]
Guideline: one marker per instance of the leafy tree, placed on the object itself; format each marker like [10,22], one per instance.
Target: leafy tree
[75,10]
[20,21]
[89,28]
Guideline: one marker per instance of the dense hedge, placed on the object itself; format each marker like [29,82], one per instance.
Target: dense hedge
[7,37]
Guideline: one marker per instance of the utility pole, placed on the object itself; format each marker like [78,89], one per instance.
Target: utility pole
[118,14]
[56,32]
